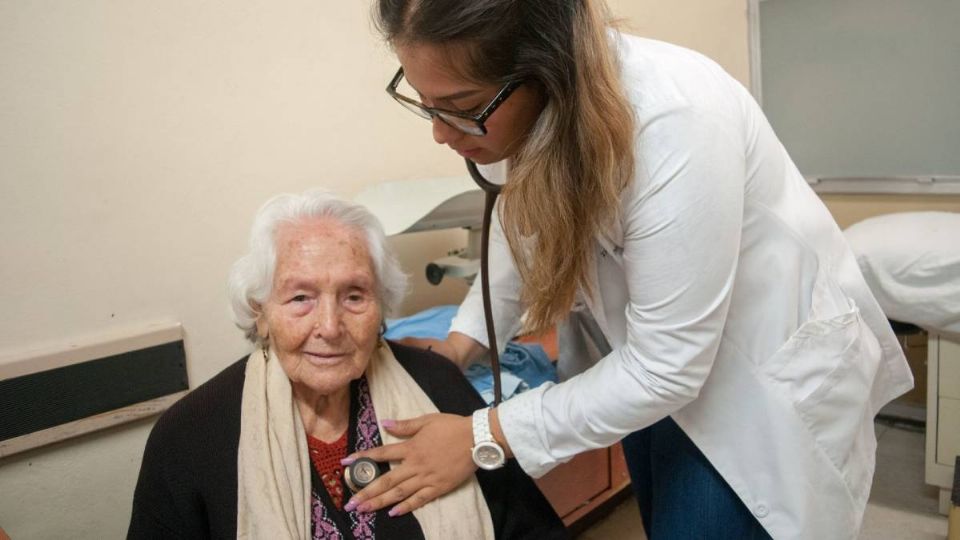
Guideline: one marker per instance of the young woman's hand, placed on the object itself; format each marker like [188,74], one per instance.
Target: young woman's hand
[433,461]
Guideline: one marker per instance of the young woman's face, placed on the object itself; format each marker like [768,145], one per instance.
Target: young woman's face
[429,71]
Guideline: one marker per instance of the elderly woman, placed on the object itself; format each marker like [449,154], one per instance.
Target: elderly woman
[259,451]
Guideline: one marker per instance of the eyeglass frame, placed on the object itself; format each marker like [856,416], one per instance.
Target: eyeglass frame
[435,112]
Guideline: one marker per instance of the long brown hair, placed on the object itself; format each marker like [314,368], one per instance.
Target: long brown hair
[565,182]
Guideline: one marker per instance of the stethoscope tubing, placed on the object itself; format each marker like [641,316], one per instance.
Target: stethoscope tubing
[491,191]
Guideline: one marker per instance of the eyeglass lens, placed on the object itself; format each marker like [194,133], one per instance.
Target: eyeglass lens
[465,125]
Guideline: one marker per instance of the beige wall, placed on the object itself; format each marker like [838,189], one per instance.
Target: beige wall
[717,28]
[136,140]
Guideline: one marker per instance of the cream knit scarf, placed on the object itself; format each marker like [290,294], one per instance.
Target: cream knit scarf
[273,465]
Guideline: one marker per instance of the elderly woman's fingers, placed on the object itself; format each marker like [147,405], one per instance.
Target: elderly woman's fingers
[434,461]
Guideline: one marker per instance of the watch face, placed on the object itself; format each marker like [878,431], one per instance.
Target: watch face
[488,455]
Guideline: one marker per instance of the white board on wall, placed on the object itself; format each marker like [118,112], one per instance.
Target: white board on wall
[865,89]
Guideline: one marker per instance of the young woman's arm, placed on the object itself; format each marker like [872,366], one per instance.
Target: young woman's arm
[459,348]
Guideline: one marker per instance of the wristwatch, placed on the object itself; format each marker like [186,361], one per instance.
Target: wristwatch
[487,454]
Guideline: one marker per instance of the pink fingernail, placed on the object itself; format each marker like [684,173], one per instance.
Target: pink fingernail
[389,424]
[347,460]
[394,512]
[351,504]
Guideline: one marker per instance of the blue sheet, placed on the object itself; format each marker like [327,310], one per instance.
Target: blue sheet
[523,366]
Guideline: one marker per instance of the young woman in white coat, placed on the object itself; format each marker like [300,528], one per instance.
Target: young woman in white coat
[749,358]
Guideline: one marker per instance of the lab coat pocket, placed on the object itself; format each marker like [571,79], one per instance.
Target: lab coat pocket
[826,371]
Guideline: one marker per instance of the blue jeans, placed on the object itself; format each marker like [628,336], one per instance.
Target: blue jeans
[680,494]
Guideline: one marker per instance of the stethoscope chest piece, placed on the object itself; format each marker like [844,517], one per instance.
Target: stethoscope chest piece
[361,473]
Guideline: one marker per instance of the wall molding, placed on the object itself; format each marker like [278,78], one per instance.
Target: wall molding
[64,390]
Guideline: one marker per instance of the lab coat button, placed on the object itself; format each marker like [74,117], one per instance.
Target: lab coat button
[761,510]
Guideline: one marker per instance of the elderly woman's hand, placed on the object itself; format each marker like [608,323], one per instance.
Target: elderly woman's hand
[432,462]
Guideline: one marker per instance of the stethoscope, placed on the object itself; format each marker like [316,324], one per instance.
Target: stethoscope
[364,471]
[491,191]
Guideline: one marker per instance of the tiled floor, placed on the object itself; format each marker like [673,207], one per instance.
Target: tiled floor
[901,507]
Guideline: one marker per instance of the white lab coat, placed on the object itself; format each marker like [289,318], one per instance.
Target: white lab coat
[732,303]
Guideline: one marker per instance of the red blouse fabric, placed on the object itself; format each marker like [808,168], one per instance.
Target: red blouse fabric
[326,460]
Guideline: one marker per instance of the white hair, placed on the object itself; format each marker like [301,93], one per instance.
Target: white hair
[251,277]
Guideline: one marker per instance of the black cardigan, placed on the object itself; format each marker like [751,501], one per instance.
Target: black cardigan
[188,480]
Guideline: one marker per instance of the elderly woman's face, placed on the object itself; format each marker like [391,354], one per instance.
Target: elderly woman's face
[323,315]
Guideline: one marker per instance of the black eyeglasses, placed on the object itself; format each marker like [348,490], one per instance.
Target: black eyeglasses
[471,124]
